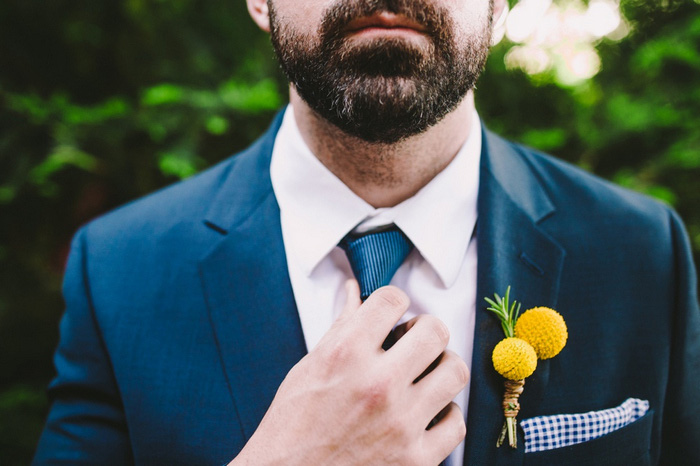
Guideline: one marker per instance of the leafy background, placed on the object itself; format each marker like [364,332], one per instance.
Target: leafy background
[102,102]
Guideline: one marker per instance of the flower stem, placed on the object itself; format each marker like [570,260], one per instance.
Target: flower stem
[511,422]
[511,408]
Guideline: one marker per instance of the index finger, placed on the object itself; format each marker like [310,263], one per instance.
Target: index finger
[380,313]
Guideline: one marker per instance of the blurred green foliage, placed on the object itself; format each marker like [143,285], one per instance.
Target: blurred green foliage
[102,102]
[637,122]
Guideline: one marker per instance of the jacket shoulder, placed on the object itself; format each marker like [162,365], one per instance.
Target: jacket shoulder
[583,194]
[190,200]
[160,211]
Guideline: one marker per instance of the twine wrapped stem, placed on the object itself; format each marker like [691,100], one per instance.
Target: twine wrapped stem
[511,408]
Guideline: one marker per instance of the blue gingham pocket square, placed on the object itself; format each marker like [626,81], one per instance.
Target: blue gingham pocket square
[561,430]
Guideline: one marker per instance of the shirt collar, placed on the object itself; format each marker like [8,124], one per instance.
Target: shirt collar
[318,209]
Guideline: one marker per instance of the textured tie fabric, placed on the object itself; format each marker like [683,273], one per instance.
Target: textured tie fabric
[375,257]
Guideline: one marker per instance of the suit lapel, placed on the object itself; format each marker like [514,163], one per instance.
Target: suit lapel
[513,250]
[246,283]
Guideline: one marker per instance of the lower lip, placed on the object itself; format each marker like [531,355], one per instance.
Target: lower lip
[385,32]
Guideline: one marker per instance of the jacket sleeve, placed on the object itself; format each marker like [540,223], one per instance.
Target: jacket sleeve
[86,423]
[681,420]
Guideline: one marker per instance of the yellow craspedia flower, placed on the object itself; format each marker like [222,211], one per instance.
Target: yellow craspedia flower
[514,359]
[544,329]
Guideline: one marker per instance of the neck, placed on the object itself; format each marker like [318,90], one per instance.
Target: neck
[384,174]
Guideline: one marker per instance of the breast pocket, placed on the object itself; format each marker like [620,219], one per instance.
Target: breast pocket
[626,446]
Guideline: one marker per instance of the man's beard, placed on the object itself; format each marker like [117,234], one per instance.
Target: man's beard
[381,90]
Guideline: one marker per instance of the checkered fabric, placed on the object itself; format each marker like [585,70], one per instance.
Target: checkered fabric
[561,430]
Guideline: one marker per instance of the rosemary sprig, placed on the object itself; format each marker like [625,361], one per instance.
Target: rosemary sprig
[507,313]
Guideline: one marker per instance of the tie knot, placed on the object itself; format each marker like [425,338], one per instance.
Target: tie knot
[375,257]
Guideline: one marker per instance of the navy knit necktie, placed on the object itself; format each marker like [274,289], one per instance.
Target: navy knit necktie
[375,257]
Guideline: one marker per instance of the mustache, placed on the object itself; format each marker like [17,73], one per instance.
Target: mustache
[340,14]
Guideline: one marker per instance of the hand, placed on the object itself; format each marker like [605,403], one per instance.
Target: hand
[349,402]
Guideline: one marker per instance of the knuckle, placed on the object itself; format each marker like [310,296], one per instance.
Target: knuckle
[375,395]
[460,370]
[398,431]
[460,430]
[390,296]
[463,374]
[401,445]
[438,328]
[337,354]
[332,356]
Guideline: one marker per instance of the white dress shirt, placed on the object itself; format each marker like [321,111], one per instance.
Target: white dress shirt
[439,276]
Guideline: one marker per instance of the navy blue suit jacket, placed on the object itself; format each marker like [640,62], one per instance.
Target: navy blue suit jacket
[180,320]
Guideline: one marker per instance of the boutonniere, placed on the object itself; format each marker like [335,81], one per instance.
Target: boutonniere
[540,333]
